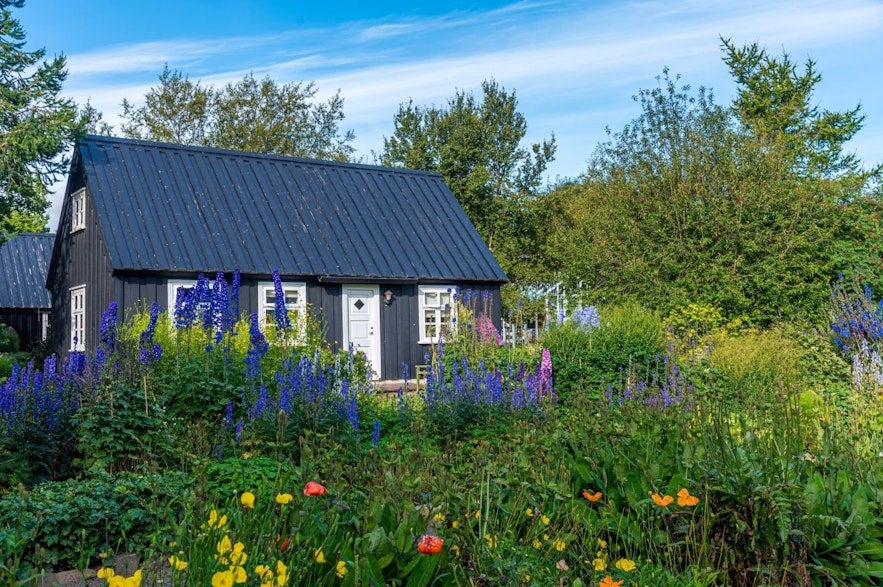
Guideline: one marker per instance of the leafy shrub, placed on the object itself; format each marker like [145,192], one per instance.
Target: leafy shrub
[69,523]
[9,342]
[585,361]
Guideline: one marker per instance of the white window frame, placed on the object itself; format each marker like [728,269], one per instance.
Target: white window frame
[78,210]
[267,309]
[439,311]
[78,318]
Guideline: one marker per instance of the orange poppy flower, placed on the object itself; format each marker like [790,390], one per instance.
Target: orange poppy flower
[609,582]
[429,544]
[685,499]
[313,488]
[283,544]
[593,497]
[662,501]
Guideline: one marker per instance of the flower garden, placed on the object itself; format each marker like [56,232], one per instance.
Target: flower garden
[621,448]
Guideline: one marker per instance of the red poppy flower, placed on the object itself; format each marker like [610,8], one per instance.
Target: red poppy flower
[313,488]
[429,544]
[282,543]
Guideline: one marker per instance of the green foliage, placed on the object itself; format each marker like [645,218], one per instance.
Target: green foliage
[776,103]
[123,429]
[476,146]
[9,342]
[69,523]
[36,124]
[629,338]
[751,208]
[249,115]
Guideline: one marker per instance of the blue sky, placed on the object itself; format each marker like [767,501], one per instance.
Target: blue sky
[575,65]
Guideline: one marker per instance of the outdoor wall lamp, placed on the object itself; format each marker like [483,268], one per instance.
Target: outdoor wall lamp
[387,297]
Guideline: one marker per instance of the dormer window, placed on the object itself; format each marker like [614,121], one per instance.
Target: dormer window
[78,210]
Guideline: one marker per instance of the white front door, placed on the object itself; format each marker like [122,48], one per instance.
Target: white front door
[361,322]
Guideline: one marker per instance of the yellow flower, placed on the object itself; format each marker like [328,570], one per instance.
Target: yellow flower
[223,547]
[599,564]
[119,581]
[105,573]
[283,498]
[545,520]
[455,524]
[340,570]
[319,556]
[245,456]
[247,499]
[264,573]
[239,574]
[477,515]
[525,579]
[625,564]
[281,574]
[222,579]
[529,513]
[438,517]
[560,545]
[602,544]
[537,544]
[456,550]
[491,540]
[214,521]
[238,556]
[177,563]
[545,537]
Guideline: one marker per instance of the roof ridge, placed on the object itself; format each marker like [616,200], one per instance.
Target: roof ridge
[251,154]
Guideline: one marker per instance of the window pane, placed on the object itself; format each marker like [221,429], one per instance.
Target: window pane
[445,299]
[269,296]
[430,298]
[292,297]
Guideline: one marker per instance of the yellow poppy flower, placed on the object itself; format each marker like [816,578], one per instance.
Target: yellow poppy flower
[560,545]
[537,544]
[545,520]
[528,512]
[247,499]
[283,498]
[215,521]
[602,544]
[177,564]
[599,564]
[319,556]
[222,579]
[438,517]
[625,564]
[105,573]
[340,569]
[491,540]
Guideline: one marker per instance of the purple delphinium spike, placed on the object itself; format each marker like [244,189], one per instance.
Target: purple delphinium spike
[375,433]
[280,311]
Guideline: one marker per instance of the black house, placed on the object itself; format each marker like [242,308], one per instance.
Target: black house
[24,299]
[377,250]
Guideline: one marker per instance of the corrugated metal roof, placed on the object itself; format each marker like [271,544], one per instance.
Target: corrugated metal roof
[172,208]
[24,262]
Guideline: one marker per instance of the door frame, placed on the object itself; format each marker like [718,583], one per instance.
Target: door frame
[374,356]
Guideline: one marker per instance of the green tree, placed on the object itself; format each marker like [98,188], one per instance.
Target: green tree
[683,205]
[476,146]
[775,102]
[36,125]
[251,115]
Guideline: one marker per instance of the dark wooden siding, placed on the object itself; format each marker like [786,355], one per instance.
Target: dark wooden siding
[80,258]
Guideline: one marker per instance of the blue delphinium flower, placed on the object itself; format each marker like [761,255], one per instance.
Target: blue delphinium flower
[234,295]
[375,433]
[257,349]
[587,318]
[281,312]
